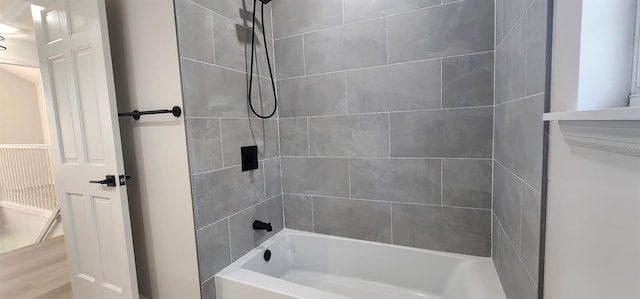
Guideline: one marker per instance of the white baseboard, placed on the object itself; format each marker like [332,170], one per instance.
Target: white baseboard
[23,209]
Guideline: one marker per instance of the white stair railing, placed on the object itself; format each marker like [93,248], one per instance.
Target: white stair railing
[26,176]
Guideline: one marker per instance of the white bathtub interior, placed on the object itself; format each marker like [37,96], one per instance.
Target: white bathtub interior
[307,265]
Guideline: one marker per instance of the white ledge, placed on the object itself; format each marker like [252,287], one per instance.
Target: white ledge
[615,114]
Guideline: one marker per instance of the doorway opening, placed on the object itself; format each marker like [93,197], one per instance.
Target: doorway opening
[31,242]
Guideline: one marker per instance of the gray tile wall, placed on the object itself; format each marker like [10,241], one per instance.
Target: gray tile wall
[519,98]
[386,120]
[214,38]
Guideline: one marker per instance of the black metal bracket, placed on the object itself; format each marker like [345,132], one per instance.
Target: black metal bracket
[135,114]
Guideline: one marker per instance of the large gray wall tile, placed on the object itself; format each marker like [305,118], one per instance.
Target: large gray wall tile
[358,219]
[316,176]
[209,289]
[209,90]
[513,275]
[299,16]
[272,177]
[467,80]
[240,12]
[313,95]
[411,86]
[233,47]
[351,135]
[237,133]
[499,21]
[289,57]
[449,229]
[519,138]
[244,237]
[195,31]
[510,65]
[456,133]
[347,47]
[397,180]
[458,28]
[204,143]
[359,10]
[536,47]
[294,137]
[507,202]
[467,183]
[512,12]
[530,248]
[213,248]
[220,193]
[298,212]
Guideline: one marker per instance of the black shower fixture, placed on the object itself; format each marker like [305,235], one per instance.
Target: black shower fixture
[266,51]
[3,48]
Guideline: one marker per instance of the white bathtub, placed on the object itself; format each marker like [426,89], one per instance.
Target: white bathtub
[307,265]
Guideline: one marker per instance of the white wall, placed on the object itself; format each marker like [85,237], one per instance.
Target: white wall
[20,52]
[20,121]
[147,75]
[592,53]
[593,223]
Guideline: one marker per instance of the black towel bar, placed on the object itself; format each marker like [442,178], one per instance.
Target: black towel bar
[176,111]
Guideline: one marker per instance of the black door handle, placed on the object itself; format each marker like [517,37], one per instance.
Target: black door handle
[109,180]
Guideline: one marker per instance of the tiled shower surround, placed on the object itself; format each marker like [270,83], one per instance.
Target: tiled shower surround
[385,127]
[386,120]
[520,86]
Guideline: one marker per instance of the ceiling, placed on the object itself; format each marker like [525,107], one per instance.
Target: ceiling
[17,14]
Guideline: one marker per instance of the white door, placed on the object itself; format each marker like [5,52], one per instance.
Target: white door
[75,60]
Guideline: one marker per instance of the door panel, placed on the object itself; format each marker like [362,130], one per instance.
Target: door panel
[73,45]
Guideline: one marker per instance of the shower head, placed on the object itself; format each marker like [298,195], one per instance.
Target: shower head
[265,1]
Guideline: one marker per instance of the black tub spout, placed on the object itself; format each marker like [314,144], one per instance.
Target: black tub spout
[259,225]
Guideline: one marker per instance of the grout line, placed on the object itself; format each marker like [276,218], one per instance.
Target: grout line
[389,120]
[493,149]
[386,36]
[349,175]
[442,182]
[233,21]
[381,65]
[385,112]
[308,137]
[501,227]
[222,67]
[512,173]
[346,94]
[212,276]
[526,28]
[213,38]
[241,211]
[229,231]
[392,202]
[221,142]
[304,60]
[385,158]
[521,99]
[264,178]
[505,35]
[521,208]
[313,219]
[370,19]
